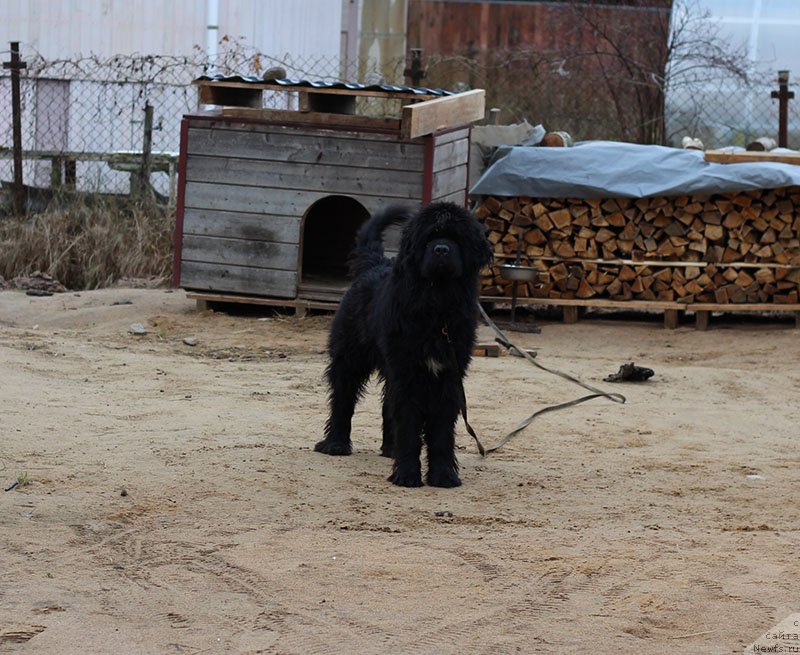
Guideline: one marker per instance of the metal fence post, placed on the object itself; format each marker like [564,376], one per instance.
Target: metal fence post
[783,95]
[15,65]
[147,150]
[416,72]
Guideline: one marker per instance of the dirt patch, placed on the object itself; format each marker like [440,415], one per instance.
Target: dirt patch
[175,504]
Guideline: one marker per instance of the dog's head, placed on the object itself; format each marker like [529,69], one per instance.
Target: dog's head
[443,242]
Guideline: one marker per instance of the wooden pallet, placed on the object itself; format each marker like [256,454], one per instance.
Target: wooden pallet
[301,305]
[570,307]
[702,311]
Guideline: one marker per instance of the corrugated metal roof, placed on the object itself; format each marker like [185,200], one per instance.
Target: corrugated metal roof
[308,84]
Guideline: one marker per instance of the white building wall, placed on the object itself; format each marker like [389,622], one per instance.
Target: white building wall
[302,28]
[65,28]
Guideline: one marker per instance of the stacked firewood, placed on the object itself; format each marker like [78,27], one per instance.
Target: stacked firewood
[726,248]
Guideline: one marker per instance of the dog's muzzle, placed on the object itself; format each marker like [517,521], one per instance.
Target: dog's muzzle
[442,260]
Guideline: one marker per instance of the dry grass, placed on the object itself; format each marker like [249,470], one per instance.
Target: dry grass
[87,246]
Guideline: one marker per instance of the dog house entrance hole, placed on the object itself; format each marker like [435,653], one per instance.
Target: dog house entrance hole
[329,234]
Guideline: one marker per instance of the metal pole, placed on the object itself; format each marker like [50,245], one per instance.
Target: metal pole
[15,65]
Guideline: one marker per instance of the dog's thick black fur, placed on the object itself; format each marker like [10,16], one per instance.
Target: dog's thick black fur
[412,320]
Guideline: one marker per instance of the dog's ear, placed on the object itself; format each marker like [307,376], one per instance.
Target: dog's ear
[412,243]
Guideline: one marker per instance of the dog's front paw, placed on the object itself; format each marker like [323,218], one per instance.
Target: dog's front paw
[406,478]
[443,477]
[330,447]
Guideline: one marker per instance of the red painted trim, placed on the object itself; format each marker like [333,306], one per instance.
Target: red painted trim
[427,169]
[180,203]
[469,158]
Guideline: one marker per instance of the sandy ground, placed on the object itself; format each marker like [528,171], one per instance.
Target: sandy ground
[174,503]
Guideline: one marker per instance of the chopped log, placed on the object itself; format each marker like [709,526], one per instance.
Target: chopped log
[604,235]
[674,229]
[561,218]
[744,279]
[733,220]
[764,252]
[522,220]
[535,237]
[730,255]
[617,219]
[585,289]
[564,249]
[764,276]
[544,222]
[625,246]
[714,232]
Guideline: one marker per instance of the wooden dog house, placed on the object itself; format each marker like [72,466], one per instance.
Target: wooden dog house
[269,200]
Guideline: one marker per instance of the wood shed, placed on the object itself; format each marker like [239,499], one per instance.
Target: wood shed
[703,251]
[270,199]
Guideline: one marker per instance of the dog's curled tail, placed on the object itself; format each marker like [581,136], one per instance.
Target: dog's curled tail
[368,252]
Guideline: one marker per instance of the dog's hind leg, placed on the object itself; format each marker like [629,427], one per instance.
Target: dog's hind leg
[347,379]
[387,445]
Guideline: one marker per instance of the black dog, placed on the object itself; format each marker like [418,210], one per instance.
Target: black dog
[414,322]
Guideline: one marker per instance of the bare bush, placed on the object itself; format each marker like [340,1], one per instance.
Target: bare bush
[91,245]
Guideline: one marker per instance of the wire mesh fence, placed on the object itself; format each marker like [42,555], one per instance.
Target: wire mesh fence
[83,119]
[725,114]
[571,96]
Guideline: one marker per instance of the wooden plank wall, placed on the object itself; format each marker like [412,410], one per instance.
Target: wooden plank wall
[451,166]
[249,185]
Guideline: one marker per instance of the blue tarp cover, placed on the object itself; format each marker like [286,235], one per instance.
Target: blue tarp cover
[607,169]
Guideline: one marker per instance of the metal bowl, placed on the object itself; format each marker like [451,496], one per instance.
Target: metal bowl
[517,273]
